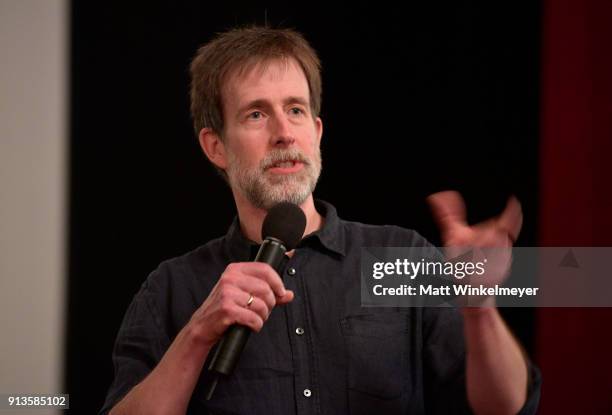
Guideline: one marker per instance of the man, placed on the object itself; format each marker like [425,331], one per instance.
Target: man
[255,103]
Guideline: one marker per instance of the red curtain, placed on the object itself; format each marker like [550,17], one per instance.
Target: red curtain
[574,346]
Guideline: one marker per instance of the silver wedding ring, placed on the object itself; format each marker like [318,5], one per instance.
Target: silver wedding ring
[251,298]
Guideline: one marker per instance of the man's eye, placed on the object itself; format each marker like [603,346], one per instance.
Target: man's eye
[297,111]
[256,115]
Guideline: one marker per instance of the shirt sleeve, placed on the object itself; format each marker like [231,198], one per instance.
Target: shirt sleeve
[140,345]
[533,392]
[445,379]
[444,365]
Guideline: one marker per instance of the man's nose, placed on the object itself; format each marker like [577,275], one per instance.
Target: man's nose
[281,134]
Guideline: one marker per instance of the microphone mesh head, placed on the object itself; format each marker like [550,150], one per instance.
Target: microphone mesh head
[286,222]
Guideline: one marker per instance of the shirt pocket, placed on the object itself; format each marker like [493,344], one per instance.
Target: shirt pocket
[377,367]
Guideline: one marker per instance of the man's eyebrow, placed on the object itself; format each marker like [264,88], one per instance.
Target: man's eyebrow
[296,100]
[254,103]
[265,103]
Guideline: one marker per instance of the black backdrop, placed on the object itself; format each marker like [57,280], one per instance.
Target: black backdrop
[416,98]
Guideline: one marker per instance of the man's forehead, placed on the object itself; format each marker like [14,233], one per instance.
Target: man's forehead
[239,82]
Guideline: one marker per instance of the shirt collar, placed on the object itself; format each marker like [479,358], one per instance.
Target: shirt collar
[330,236]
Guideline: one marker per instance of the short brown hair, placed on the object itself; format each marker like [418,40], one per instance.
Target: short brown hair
[241,49]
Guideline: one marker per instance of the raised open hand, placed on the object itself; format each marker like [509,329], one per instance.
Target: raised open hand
[498,233]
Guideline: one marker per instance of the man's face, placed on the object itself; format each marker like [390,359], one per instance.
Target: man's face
[271,139]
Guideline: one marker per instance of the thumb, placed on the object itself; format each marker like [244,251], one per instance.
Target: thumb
[287,298]
[511,219]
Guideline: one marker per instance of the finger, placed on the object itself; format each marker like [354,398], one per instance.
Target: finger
[259,307]
[511,219]
[266,273]
[247,317]
[448,210]
[258,288]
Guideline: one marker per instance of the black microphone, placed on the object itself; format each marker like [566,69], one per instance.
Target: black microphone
[282,230]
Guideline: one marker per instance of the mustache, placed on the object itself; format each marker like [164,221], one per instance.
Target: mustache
[280,156]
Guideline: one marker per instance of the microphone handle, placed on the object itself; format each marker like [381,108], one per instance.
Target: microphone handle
[229,349]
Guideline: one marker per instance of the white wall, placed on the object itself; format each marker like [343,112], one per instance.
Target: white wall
[33,174]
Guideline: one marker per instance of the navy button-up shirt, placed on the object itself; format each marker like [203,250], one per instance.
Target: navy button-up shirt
[321,354]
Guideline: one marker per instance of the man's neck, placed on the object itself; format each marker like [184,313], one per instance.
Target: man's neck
[251,218]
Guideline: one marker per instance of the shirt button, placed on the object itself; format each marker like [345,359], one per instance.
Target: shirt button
[307,393]
[299,331]
[291,271]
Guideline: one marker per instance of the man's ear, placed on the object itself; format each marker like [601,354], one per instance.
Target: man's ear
[319,129]
[213,147]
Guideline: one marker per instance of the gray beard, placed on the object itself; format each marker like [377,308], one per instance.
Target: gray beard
[264,190]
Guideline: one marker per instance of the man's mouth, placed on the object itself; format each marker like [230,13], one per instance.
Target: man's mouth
[286,166]
[288,163]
